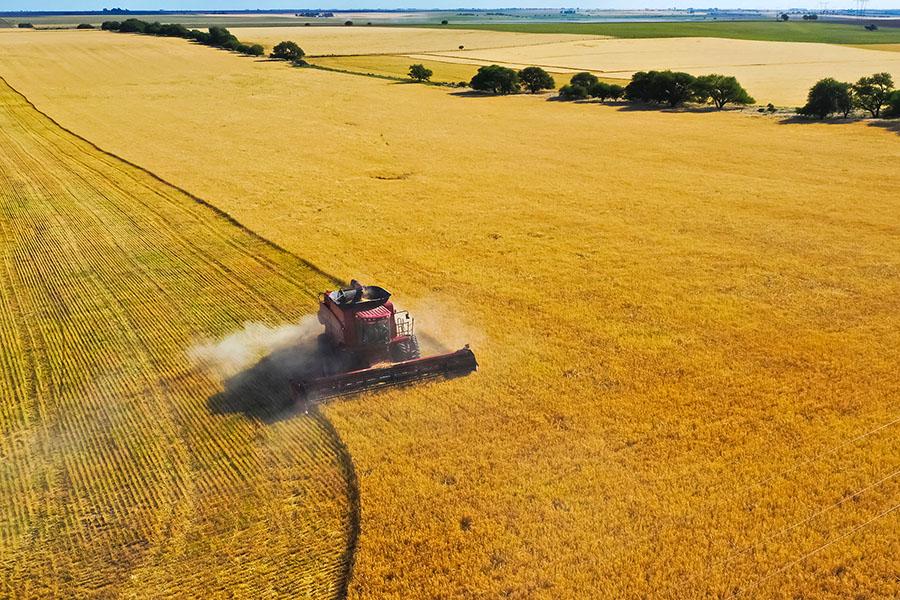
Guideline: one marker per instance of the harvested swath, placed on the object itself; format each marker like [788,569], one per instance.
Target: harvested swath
[125,469]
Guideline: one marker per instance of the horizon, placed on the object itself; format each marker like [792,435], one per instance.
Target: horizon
[150,6]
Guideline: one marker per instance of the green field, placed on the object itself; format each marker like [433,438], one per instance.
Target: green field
[772,31]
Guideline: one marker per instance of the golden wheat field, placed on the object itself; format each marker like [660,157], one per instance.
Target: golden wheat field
[687,326]
[318,41]
[129,470]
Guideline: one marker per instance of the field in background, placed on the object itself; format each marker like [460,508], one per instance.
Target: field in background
[324,41]
[776,72]
[129,469]
[687,323]
[772,31]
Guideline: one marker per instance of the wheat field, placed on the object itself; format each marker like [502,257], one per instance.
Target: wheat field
[776,72]
[129,470]
[686,323]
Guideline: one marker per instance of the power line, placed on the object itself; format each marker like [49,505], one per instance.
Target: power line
[784,530]
[759,582]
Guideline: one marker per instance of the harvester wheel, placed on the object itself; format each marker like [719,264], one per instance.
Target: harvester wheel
[408,349]
[326,354]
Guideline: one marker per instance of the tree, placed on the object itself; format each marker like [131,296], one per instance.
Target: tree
[444,22]
[893,105]
[348,23]
[585,80]
[536,79]
[110,25]
[599,90]
[85,26]
[573,92]
[721,89]
[153,28]
[496,79]
[616,92]
[828,96]
[26,26]
[871,93]
[287,50]
[419,73]
[640,87]
[219,36]
[783,16]
[256,50]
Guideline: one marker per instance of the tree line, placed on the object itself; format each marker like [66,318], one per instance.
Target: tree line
[218,37]
[665,88]
[874,94]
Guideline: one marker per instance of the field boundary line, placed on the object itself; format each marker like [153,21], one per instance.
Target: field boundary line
[195,198]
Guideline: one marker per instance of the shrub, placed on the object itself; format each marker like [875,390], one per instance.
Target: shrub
[871,27]
[110,25]
[585,80]
[231,43]
[616,92]
[444,22]
[243,48]
[153,28]
[496,79]
[828,96]
[287,50]
[536,79]
[573,92]
[871,93]
[348,23]
[770,107]
[419,73]
[26,26]
[85,26]
[174,30]
[256,50]
[200,36]
[721,90]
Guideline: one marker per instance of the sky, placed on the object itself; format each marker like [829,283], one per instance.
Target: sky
[74,5]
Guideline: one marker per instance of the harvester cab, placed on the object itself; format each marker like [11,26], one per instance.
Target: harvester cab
[369,344]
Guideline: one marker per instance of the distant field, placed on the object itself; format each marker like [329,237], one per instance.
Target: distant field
[776,72]
[317,41]
[828,33]
[882,47]
[129,469]
[398,66]
[687,324]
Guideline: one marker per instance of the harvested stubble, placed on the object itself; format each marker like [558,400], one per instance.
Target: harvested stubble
[125,470]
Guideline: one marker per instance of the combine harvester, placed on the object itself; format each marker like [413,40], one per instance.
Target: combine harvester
[367,345]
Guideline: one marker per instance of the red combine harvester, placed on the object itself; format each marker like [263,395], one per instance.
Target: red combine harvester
[367,344]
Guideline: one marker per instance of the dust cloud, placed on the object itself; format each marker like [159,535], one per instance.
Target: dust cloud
[243,348]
